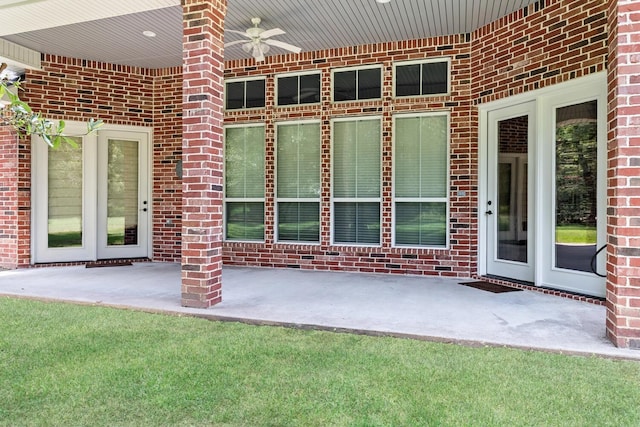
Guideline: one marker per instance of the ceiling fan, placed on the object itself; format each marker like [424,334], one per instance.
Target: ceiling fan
[259,42]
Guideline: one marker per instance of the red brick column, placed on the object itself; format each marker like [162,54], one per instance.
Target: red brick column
[8,198]
[623,204]
[202,151]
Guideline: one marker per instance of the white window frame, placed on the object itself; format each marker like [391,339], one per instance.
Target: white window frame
[242,199]
[297,74]
[278,200]
[357,69]
[245,79]
[355,199]
[445,200]
[421,62]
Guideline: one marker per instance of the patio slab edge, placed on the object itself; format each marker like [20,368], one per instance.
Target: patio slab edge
[198,313]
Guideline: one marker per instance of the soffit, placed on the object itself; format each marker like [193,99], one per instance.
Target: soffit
[81,29]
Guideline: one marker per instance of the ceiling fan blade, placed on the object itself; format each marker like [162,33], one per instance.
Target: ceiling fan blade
[283,45]
[239,32]
[270,33]
[234,43]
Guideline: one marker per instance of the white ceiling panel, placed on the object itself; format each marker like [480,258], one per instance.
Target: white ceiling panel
[84,30]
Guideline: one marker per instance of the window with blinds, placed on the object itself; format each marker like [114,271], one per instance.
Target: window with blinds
[244,182]
[298,181]
[421,164]
[356,181]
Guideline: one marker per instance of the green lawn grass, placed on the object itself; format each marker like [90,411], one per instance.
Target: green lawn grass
[64,364]
[576,234]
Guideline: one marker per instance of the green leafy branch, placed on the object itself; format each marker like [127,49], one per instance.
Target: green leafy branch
[19,115]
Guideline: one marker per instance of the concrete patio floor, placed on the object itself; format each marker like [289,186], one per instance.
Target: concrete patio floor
[435,308]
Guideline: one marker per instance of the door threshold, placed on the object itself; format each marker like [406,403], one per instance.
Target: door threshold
[530,286]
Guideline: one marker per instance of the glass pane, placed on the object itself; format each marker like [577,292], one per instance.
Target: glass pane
[408,80]
[511,209]
[298,160]
[576,179]
[299,222]
[244,162]
[356,154]
[369,84]
[234,95]
[434,78]
[288,90]
[421,164]
[344,86]
[421,224]
[433,156]
[309,89]
[122,193]
[407,158]
[245,221]
[255,93]
[357,223]
[65,196]
[368,159]
[345,136]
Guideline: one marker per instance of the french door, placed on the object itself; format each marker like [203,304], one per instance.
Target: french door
[92,201]
[510,204]
[544,207]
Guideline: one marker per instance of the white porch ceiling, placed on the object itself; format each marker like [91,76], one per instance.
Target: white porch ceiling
[88,30]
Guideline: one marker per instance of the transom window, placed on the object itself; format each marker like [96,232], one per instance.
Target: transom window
[298,181]
[298,89]
[356,181]
[240,94]
[350,84]
[415,78]
[421,164]
[244,182]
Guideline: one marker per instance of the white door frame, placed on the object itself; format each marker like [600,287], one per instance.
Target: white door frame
[591,87]
[88,251]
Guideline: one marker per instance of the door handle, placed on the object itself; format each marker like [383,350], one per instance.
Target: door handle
[489,213]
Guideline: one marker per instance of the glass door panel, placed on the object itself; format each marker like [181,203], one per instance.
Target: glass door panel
[122,193]
[513,149]
[576,204]
[64,196]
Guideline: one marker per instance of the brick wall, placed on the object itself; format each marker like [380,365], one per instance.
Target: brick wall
[167,152]
[623,261]
[460,258]
[535,47]
[8,198]
[546,43]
